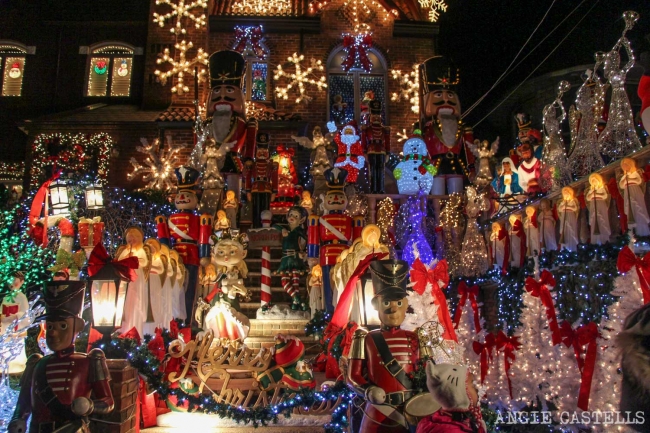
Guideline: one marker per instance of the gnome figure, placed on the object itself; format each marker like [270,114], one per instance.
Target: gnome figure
[60,391]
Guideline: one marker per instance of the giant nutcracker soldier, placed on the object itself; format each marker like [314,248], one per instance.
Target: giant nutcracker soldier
[226,113]
[380,360]
[329,235]
[260,179]
[62,389]
[376,140]
[188,234]
[446,137]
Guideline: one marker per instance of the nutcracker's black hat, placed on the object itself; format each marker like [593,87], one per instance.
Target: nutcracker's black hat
[438,73]
[262,140]
[227,67]
[186,177]
[335,178]
[389,278]
[375,107]
[63,299]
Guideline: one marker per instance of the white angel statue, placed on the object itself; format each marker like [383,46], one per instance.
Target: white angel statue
[484,151]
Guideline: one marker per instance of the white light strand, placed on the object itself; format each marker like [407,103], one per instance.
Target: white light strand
[409,87]
[182,66]
[262,7]
[180,11]
[299,78]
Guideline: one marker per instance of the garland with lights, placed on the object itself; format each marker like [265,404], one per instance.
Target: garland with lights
[77,153]
[12,170]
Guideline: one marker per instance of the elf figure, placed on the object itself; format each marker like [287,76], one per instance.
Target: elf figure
[186,232]
[350,150]
[60,391]
[376,139]
[415,173]
[292,265]
[329,235]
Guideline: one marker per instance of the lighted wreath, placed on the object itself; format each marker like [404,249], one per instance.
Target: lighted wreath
[70,152]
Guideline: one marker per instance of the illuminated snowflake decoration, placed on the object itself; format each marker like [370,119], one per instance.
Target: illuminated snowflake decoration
[158,168]
[435,7]
[402,136]
[262,7]
[300,78]
[182,66]
[180,11]
[409,87]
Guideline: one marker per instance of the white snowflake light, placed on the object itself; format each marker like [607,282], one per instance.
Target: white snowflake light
[158,168]
[180,11]
[435,7]
[299,78]
[409,87]
[182,66]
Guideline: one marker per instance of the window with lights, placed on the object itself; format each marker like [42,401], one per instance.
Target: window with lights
[250,42]
[12,66]
[347,90]
[110,70]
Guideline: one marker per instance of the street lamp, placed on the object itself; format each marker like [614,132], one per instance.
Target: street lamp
[59,197]
[94,197]
[368,316]
[107,295]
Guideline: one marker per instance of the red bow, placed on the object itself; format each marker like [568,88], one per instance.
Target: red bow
[539,289]
[518,230]
[132,334]
[627,259]
[508,345]
[157,345]
[252,36]
[420,277]
[100,258]
[485,350]
[584,335]
[465,293]
[612,187]
[9,310]
[284,150]
[356,47]
[40,203]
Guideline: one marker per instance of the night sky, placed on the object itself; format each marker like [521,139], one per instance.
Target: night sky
[483,37]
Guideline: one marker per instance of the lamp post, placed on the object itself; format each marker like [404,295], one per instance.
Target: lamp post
[59,197]
[94,197]
[107,296]
[368,316]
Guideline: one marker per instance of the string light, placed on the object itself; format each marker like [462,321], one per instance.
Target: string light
[181,11]
[435,7]
[474,259]
[450,223]
[182,66]
[262,7]
[159,165]
[359,12]
[299,78]
[409,87]
[12,170]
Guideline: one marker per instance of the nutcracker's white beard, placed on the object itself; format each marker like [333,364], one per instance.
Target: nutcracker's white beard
[448,128]
[349,139]
[221,122]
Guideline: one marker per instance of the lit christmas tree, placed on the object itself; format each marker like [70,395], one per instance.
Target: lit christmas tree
[469,324]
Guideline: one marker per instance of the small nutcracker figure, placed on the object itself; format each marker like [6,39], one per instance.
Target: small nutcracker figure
[329,235]
[59,391]
[190,234]
[292,265]
[380,361]
[376,139]
[260,179]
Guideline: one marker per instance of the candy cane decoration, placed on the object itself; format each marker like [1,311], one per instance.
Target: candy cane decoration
[266,276]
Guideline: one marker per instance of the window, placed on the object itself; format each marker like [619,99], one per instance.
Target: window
[110,68]
[347,89]
[250,42]
[12,67]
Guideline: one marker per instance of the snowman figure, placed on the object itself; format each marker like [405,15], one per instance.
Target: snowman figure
[415,173]
[14,72]
[123,70]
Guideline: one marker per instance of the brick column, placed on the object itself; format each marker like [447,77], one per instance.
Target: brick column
[124,385]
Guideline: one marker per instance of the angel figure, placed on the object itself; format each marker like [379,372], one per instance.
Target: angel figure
[633,186]
[137,295]
[483,151]
[499,246]
[531,227]
[568,209]
[474,256]
[212,181]
[547,219]
[157,277]
[319,159]
[555,168]
[178,286]
[598,199]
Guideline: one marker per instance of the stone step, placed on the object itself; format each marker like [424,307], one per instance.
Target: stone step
[270,328]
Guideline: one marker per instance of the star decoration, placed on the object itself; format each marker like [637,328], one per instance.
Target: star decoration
[158,168]
[299,78]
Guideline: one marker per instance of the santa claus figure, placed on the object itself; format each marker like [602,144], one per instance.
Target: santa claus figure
[529,170]
[15,71]
[446,137]
[350,150]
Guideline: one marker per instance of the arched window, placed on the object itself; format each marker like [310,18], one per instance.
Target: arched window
[12,67]
[109,67]
[250,42]
[352,85]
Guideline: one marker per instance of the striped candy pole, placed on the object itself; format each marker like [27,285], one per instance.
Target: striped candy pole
[266,275]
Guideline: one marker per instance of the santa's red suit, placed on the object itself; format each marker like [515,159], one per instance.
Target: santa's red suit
[350,156]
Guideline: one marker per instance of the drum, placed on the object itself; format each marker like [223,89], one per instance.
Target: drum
[420,406]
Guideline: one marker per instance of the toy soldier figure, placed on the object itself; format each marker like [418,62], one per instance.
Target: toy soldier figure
[376,139]
[227,114]
[380,360]
[62,389]
[446,137]
[260,179]
[328,236]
